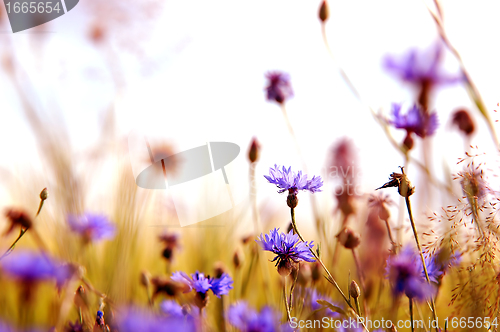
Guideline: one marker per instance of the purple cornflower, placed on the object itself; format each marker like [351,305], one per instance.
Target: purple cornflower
[31,267]
[285,179]
[278,88]
[133,320]
[202,284]
[406,273]
[247,319]
[416,120]
[420,67]
[289,249]
[92,227]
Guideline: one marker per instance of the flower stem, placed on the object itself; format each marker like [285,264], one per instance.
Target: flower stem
[411,314]
[287,308]
[330,277]
[408,206]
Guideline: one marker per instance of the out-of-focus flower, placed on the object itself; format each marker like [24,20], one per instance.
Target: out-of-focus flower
[344,166]
[167,286]
[285,180]
[462,119]
[312,298]
[473,183]
[73,327]
[30,268]
[247,319]
[278,88]
[133,320]
[17,218]
[202,284]
[416,120]
[288,248]
[92,227]
[380,204]
[406,273]
[171,308]
[348,238]
[171,242]
[421,69]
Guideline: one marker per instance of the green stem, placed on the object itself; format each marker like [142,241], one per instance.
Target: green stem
[287,308]
[408,205]
[411,314]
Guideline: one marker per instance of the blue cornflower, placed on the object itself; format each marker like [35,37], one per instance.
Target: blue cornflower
[421,67]
[202,284]
[406,273]
[92,227]
[416,120]
[289,249]
[285,180]
[247,319]
[279,88]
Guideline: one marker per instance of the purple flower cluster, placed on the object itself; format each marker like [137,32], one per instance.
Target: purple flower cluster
[406,273]
[247,319]
[314,297]
[202,284]
[92,227]
[279,88]
[416,120]
[289,249]
[31,267]
[285,180]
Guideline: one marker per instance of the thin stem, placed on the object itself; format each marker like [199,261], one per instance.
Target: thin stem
[361,280]
[389,232]
[289,318]
[408,205]
[411,314]
[293,287]
[330,277]
[472,88]
[358,310]
[23,231]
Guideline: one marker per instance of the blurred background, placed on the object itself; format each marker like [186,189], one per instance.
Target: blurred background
[190,72]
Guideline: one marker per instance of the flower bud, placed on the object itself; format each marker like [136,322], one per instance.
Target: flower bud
[238,258]
[219,269]
[463,121]
[316,271]
[408,142]
[81,299]
[201,300]
[145,279]
[44,194]
[285,267]
[292,200]
[324,12]
[253,152]
[354,290]
[405,188]
[348,238]
[305,274]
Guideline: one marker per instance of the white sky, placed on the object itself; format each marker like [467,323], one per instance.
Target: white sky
[203,78]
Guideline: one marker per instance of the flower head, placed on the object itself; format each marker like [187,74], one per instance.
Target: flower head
[278,88]
[17,217]
[288,248]
[285,180]
[202,284]
[247,319]
[30,266]
[406,273]
[420,67]
[416,120]
[92,227]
